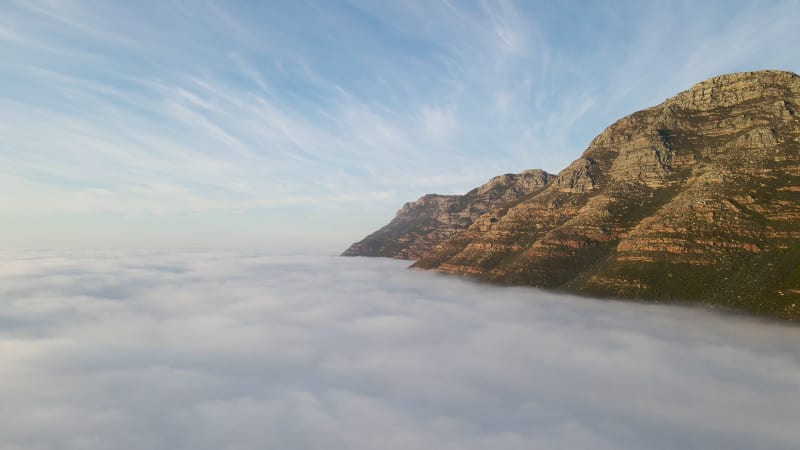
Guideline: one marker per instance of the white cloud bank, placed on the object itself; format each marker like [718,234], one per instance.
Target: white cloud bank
[245,351]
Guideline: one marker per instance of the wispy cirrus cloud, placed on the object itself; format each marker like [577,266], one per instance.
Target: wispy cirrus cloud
[236,106]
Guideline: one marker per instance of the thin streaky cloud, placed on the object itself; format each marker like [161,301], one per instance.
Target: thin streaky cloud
[326,100]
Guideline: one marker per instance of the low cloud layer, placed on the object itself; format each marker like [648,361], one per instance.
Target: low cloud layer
[245,351]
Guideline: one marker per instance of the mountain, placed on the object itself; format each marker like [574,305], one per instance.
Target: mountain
[434,218]
[696,200]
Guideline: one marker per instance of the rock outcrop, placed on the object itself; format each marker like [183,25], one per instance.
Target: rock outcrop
[695,200]
[419,226]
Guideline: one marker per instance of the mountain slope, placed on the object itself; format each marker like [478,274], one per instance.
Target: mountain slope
[694,200]
[420,225]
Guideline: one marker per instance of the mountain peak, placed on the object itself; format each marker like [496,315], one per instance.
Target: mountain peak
[694,200]
[755,77]
[734,88]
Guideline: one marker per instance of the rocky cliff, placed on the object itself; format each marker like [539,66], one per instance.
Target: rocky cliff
[694,200]
[419,226]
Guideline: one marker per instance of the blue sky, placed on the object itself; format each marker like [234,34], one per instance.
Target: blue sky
[305,124]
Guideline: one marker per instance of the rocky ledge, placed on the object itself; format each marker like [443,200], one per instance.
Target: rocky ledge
[419,226]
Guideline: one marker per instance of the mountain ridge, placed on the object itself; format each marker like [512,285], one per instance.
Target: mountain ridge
[694,200]
[433,218]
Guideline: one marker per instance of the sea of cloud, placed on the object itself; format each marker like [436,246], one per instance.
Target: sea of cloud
[193,350]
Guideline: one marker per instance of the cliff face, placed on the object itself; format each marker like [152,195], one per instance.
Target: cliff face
[694,200]
[419,226]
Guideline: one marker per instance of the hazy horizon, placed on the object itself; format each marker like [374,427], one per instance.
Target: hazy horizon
[308,124]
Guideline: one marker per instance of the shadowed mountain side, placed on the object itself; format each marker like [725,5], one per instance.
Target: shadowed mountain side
[694,200]
[432,219]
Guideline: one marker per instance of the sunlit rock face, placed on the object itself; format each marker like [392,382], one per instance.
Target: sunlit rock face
[694,200]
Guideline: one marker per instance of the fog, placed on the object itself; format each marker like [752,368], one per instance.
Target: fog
[148,350]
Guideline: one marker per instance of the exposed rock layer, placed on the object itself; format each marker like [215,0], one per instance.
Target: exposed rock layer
[419,226]
[694,200]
